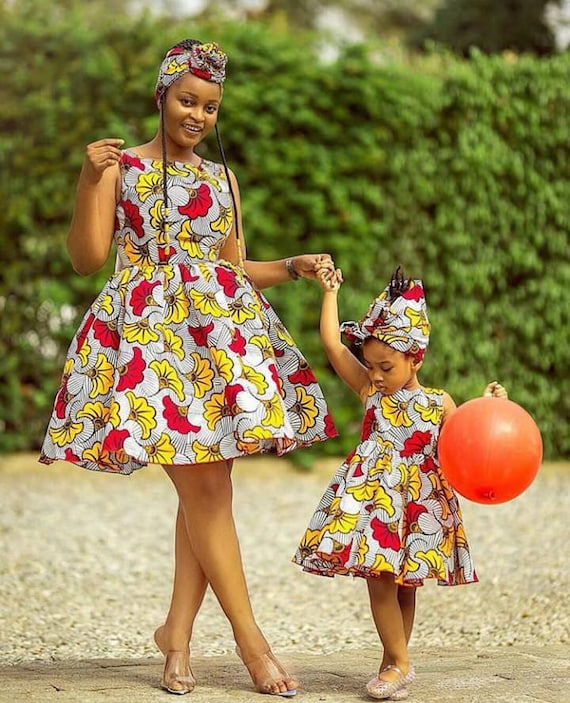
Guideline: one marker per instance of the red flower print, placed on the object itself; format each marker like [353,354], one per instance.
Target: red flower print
[131,373]
[132,161]
[416,443]
[133,218]
[369,422]
[330,429]
[238,343]
[227,279]
[200,201]
[200,334]
[61,401]
[176,417]
[428,465]
[83,333]
[358,471]
[385,534]
[71,456]
[414,293]
[186,276]
[106,333]
[115,440]
[413,512]
[206,75]
[303,375]
[230,396]
[164,254]
[275,376]
[142,296]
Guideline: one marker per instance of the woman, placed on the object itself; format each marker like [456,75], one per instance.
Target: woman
[181,361]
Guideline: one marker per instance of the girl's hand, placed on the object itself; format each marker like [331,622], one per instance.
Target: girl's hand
[99,156]
[495,390]
[329,279]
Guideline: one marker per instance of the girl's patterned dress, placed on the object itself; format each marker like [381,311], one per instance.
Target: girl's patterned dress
[180,359]
[389,508]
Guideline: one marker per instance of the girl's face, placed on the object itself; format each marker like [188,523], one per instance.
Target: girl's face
[388,369]
[190,112]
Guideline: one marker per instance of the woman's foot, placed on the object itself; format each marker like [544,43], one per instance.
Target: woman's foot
[268,675]
[177,676]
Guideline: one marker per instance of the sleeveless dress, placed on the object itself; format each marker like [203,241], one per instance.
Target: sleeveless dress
[389,508]
[180,359]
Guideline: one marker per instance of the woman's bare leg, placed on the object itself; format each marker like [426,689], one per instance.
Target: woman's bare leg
[389,621]
[205,494]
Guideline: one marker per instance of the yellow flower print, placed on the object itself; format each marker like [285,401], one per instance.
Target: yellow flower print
[68,367]
[106,304]
[158,221]
[264,344]
[84,352]
[223,363]
[205,453]
[431,413]
[98,413]
[162,452]
[394,411]
[66,433]
[410,566]
[310,542]
[341,521]
[102,376]
[148,184]
[201,376]
[306,408]
[383,463]
[138,255]
[240,312]
[224,221]
[189,241]
[140,332]
[122,282]
[174,67]
[382,501]
[364,491]
[207,304]
[172,342]
[362,550]
[381,564]
[258,434]
[434,562]
[447,541]
[114,418]
[168,377]
[418,318]
[92,453]
[256,378]
[178,306]
[215,409]
[142,413]
[283,334]
[410,479]
[274,415]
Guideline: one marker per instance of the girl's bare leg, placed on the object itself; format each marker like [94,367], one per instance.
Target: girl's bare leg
[205,495]
[407,601]
[390,624]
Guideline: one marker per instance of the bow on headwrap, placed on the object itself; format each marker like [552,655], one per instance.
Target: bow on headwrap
[207,61]
[397,317]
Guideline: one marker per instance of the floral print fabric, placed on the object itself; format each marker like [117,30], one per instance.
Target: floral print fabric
[389,508]
[180,359]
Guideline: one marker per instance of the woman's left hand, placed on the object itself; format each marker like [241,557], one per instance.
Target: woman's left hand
[308,265]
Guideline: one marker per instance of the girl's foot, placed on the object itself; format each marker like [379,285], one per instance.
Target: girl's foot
[390,683]
[177,676]
[268,675]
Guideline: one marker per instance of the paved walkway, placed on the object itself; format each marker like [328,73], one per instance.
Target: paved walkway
[506,675]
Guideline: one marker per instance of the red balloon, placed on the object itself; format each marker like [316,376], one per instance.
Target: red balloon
[490,450]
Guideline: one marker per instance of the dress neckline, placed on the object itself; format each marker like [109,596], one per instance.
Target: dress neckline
[198,167]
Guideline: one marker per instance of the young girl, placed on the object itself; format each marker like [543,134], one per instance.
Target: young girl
[181,361]
[389,515]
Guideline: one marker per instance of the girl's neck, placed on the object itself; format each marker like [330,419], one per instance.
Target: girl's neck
[153,150]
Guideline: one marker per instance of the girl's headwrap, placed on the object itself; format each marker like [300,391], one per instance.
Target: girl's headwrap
[397,317]
[207,61]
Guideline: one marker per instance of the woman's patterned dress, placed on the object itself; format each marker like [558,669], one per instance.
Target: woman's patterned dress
[389,508]
[180,359]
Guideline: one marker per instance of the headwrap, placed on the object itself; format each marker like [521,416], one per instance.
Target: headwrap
[397,317]
[207,61]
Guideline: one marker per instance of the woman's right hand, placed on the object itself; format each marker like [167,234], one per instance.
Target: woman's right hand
[99,156]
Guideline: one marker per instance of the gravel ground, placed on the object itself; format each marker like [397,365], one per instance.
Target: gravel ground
[86,565]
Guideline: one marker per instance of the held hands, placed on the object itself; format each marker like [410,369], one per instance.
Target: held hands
[495,390]
[329,277]
[99,156]
[308,265]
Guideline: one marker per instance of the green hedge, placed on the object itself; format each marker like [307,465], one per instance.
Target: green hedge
[458,170]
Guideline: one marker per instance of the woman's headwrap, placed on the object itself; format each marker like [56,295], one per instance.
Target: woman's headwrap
[397,317]
[207,61]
